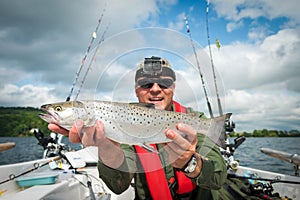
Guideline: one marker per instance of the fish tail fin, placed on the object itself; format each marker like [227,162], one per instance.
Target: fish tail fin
[216,131]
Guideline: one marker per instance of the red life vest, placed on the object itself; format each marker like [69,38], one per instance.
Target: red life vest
[154,172]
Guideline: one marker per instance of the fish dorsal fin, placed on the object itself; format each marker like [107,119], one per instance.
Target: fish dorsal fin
[148,148]
[193,114]
[147,105]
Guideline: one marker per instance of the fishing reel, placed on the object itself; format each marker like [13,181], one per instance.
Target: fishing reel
[52,145]
[262,188]
[259,188]
[230,147]
[229,126]
[55,149]
[44,141]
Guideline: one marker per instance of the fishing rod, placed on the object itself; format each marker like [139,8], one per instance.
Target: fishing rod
[199,68]
[94,36]
[288,157]
[91,61]
[212,63]
[262,179]
[35,167]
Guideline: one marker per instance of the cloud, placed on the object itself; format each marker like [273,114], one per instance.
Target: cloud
[179,24]
[237,10]
[238,14]
[258,33]
[233,25]
[43,44]
[37,39]
[46,41]
[262,81]
[27,95]
[274,60]
[264,109]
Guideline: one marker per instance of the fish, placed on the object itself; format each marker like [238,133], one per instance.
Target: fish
[130,123]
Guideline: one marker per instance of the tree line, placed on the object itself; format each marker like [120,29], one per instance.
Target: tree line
[267,133]
[18,121]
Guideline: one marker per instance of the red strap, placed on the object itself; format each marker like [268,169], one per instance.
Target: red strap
[185,185]
[155,174]
[179,108]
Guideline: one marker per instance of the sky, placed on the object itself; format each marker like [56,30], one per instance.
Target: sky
[44,44]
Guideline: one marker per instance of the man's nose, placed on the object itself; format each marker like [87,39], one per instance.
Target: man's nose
[155,87]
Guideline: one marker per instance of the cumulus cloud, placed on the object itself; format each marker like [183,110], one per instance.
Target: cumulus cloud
[237,10]
[179,23]
[237,13]
[273,60]
[43,45]
[255,109]
[27,95]
[263,78]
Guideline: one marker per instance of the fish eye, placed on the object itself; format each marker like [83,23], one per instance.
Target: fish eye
[58,108]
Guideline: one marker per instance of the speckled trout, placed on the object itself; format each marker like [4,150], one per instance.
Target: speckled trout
[130,123]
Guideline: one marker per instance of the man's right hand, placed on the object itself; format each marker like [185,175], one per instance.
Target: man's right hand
[109,151]
[73,135]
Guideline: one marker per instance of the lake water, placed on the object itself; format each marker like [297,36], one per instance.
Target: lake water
[248,153]
[26,149]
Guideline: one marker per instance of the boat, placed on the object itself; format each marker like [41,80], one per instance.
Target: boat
[261,183]
[55,178]
[67,174]
[7,145]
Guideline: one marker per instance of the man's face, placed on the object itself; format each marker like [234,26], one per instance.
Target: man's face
[154,91]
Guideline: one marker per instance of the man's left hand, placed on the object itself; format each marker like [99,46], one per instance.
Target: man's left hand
[183,146]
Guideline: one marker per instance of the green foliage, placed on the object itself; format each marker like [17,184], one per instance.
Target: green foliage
[18,121]
[267,133]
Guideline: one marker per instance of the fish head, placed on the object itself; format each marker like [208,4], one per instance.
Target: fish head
[64,114]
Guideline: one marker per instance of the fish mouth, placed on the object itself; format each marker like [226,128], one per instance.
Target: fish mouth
[47,116]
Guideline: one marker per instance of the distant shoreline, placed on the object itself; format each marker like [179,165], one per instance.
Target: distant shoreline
[18,121]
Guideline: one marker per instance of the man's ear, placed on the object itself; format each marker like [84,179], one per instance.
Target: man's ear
[135,89]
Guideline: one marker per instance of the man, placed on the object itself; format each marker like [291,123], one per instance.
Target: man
[189,167]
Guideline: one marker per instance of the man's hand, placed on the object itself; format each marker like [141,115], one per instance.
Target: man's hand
[181,149]
[109,151]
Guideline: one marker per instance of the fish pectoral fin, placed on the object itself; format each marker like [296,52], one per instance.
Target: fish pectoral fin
[148,148]
[147,105]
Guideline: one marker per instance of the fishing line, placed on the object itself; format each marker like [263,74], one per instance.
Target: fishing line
[91,61]
[199,69]
[212,63]
[94,36]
